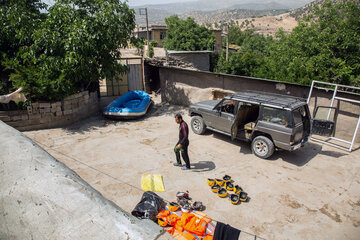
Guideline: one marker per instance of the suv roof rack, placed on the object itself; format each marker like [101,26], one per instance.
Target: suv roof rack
[269,99]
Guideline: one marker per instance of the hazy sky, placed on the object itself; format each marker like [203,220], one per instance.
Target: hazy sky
[138,2]
[142,2]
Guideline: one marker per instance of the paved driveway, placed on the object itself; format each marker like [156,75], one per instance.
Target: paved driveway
[312,193]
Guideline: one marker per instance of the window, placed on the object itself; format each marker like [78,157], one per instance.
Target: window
[273,115]
[299,114]
[228,106]
[162,35]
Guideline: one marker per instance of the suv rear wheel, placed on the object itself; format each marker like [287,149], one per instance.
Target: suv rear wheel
[198,125]
[262,147]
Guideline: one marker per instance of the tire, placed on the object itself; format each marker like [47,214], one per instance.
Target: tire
[262,147]
[197,125]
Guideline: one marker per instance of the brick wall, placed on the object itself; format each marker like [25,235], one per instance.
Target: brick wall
[42,115]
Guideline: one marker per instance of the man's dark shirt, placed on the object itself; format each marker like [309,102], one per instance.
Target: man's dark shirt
[183,134]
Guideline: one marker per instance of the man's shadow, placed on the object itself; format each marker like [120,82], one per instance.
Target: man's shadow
[203,166]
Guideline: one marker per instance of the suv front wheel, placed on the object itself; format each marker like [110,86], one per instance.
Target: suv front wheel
[198,125]
[262,147]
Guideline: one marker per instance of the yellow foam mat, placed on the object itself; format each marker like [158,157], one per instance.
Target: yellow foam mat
[152,182]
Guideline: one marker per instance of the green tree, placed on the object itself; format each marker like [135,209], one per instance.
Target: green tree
[237,36]
[77,44]
[18,20]
[325,47]
[152,44]
[248,60]
[187,35]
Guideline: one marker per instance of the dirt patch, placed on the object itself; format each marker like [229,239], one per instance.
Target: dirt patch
[355,222]
[335,217]
[269,25]
[311,210]
[258,229]
[291,203]
[354,204]
[147,141]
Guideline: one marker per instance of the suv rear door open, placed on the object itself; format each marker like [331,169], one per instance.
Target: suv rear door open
[324,121]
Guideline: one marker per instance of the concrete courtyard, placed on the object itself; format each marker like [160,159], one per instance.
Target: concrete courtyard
[311,193]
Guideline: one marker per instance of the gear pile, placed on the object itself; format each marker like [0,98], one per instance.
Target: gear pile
[185,203]
[222,186]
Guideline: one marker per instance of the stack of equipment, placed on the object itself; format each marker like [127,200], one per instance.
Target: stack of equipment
[238,194]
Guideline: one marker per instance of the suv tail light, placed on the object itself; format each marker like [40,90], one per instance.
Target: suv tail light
[292,139]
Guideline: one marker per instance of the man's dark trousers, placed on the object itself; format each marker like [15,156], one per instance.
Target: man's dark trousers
[184,155]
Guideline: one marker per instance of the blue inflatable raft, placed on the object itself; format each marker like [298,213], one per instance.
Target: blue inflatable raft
[130,105]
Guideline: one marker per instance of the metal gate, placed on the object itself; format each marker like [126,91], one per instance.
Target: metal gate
[135,77]
[328,114]
[130,81]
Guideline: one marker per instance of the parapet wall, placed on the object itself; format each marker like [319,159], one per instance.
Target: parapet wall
[41,198]
[42,115]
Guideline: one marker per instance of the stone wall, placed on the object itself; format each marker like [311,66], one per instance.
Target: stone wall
[42,115]
[199,59]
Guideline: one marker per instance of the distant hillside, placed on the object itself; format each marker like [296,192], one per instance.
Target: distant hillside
[257,6]
[157,16]
[230,15]
[268,25]
[299,13]
[212,5]
[158,12]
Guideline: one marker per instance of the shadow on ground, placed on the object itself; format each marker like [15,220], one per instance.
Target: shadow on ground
[99,121]
[305,154]
[203,166]
[299,157]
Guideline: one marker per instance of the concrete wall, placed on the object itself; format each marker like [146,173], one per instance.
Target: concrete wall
[184,87]
[218,40]
[40,198]
[156,35]
[200,60]
[56,114]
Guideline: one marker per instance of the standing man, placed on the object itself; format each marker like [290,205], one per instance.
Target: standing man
[183,143]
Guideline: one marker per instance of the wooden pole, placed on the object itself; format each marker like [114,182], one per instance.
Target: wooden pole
[147,33]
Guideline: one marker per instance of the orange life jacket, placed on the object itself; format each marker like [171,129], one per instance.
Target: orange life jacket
[196,226]
[185,218]
[189,236]
[162,214]
[172,219]
[167,218]
[208,237]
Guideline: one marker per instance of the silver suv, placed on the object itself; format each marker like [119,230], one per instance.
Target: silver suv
[268,121]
